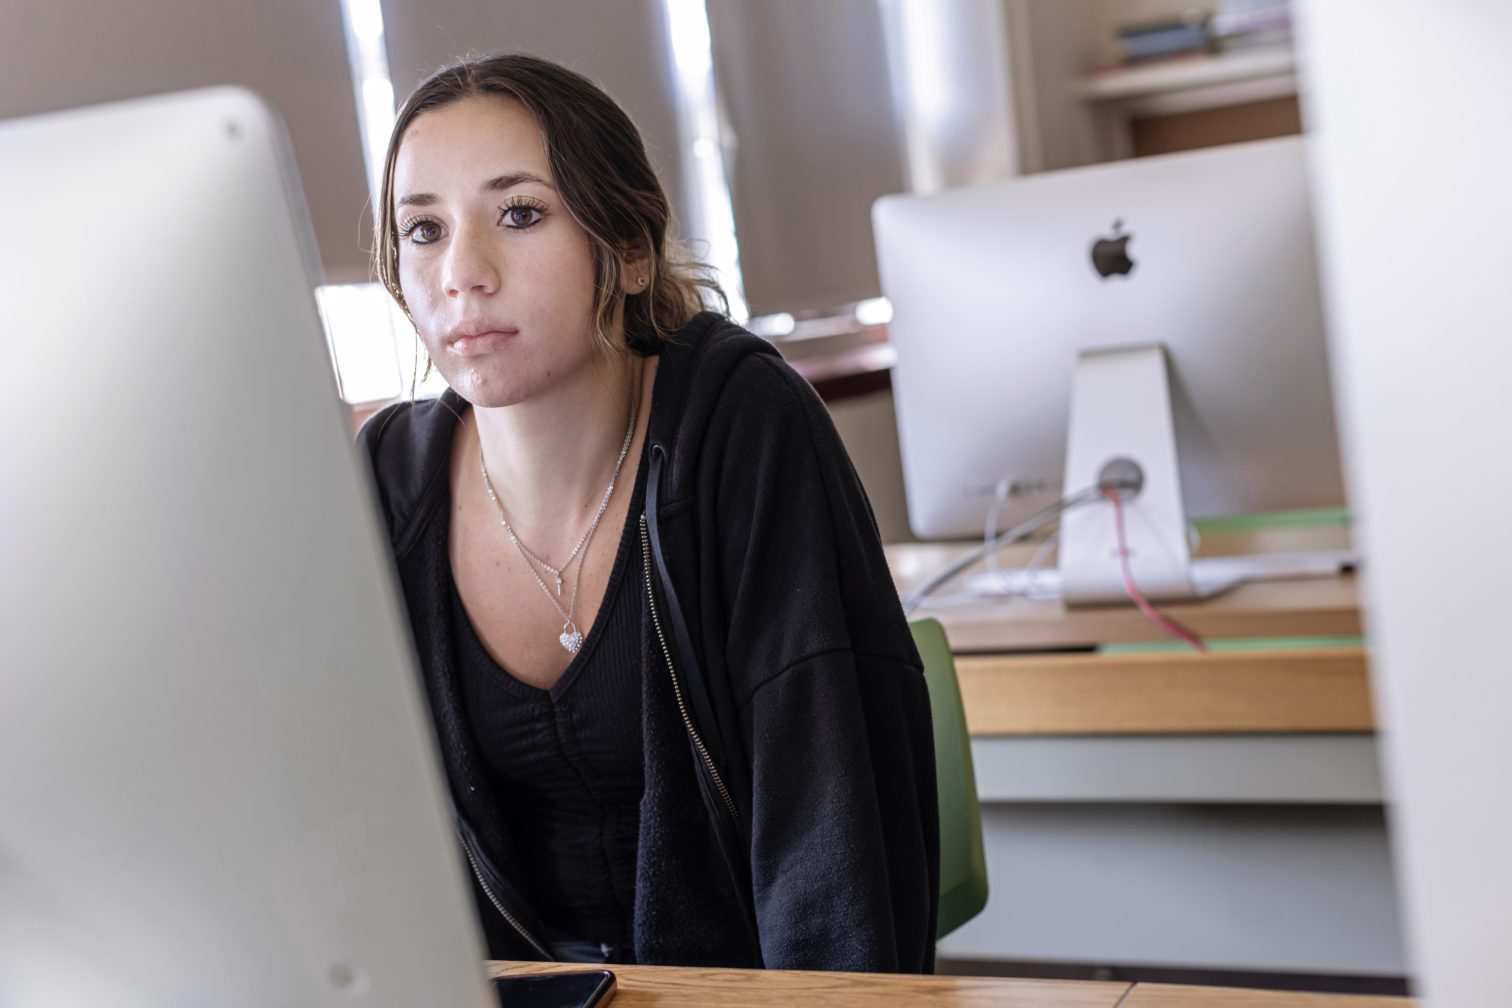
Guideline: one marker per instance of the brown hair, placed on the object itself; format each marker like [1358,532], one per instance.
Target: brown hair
[605,180]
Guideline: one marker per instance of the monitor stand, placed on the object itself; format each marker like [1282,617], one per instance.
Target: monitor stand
[1121,427]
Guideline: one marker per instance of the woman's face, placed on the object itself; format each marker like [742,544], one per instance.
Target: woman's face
[498,276]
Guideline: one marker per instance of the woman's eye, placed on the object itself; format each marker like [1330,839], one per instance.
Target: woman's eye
[520,217]
[421,232]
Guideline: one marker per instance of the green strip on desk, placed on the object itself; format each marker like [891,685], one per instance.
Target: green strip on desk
[1301,518]
[1234,644]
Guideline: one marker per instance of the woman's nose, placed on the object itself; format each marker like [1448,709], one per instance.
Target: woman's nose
[469,265]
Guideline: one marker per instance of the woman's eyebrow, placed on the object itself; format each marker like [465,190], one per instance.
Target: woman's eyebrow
[416,199]
[512,179]
[498,183]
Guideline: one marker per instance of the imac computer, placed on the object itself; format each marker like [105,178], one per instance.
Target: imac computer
[218,781]
[1415,206]
[1165,312]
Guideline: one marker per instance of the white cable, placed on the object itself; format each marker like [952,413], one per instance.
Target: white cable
[1014,534]
[1031,573]
[999,497]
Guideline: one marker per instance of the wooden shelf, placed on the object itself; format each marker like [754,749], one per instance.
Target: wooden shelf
[1197,82]
[1187,73]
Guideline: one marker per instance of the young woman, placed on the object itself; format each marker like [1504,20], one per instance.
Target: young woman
[679,708]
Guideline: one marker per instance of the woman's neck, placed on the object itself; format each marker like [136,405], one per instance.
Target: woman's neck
[550,459]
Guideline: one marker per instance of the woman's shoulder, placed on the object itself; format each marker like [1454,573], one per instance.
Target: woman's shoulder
[731,374]
[730,395]
[410,429]
[408,445]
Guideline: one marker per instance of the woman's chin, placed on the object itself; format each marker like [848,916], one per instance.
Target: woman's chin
[483,387]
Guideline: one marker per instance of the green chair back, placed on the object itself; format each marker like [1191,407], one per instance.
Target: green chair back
[963,861]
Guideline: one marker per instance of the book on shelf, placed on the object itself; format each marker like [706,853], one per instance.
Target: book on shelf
[1241,17]
[1253,41]
[1141,43]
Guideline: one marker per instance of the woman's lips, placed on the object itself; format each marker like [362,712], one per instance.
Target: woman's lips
[480,343]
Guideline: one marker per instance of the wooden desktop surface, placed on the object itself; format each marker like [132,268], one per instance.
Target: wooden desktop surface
[1314,607]
[680,987]
[1173,996]
[1034,667]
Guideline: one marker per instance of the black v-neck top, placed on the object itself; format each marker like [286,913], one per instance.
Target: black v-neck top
[566,764]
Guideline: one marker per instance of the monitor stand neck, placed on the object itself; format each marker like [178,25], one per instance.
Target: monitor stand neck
[1121,412]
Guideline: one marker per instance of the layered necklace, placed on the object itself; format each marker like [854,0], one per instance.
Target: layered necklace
[571,638]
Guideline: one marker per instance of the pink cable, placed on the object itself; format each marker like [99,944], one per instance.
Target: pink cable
[1155,616]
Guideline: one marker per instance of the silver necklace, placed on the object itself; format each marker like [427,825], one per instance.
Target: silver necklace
[571,638]
[557,572]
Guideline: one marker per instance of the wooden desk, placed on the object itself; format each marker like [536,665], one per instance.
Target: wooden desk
[1170,996]
[678,987]
[1018,678]
[1307,689]
[1317,606]
[1329,605]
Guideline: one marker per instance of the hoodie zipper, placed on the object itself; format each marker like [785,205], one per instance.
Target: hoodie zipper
[498,903]
[682,706]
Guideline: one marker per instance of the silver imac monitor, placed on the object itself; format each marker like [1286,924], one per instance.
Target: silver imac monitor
[1163,310]
[218,783]
[1413,196]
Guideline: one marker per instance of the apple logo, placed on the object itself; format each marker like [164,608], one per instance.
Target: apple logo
[1111,255]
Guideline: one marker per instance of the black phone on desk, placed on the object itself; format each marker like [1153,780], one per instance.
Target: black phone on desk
[579,989]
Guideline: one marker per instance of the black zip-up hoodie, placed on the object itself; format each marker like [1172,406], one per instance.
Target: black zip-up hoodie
[789,818]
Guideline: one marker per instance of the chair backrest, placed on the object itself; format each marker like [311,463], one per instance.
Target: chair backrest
[963,861]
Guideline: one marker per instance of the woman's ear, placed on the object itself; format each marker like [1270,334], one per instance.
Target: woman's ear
[635,271]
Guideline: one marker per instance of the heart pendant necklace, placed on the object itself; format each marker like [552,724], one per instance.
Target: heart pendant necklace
[571,638]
